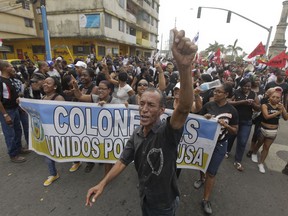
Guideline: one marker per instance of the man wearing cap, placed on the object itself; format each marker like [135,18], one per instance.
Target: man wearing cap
[35,90]
[9,113]
[80,66]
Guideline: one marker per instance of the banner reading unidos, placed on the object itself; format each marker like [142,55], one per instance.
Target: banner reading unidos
[76,131]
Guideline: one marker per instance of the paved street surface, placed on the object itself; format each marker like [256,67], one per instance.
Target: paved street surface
[249,193]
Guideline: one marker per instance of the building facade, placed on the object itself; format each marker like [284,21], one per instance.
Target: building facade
[80,28]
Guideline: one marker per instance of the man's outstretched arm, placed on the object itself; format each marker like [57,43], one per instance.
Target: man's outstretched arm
[94,192]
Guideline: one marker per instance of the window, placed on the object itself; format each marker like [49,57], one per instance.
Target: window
[26,5]
[115,51]
[108,20]
[153,4]
[121,25]
[152,38]
[146,17]
[122,3]
[40,26]
[145,35]
[38,49]
[132,31]
[152,21]
[11,48]
[101,51]
[28,22]
[80,50]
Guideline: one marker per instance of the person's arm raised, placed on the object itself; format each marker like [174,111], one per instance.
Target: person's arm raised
[183,52]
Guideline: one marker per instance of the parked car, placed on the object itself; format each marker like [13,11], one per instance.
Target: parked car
[14,62]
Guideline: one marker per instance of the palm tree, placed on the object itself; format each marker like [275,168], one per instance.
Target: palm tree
[234,49]
[214,47]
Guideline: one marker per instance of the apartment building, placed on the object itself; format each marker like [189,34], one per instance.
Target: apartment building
[79,28]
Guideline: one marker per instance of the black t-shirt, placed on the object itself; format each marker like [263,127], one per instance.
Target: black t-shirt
[226,112]
[155,161]
[174,77]
[245,111]
[271,110]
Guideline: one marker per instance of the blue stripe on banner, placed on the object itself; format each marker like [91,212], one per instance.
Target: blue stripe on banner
[201,126]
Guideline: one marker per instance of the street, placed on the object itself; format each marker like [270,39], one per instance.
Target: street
[236,193]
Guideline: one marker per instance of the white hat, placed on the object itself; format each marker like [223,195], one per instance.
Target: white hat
[177,86]
[59,59]
[81,64]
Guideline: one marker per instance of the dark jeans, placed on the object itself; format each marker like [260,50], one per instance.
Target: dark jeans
[243,134]
[51,166]
[25,124]
[171,211]
[12,133]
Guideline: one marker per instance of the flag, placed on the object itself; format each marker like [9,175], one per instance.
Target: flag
[278,61]
[217,57]
[1,42]
[195,39]
[259,50]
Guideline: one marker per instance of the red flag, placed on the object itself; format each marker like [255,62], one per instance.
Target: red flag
[278,61]
[259,50]
[217,57]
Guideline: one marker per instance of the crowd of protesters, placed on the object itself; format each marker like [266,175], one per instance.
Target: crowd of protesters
[256,95]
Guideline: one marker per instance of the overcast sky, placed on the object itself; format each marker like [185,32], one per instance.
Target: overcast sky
[212,25]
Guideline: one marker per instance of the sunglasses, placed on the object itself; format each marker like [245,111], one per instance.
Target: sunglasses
[142,84]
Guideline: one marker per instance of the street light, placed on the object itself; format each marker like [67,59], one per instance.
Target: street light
[229,18]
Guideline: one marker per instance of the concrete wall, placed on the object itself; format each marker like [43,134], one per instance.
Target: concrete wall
[15,26]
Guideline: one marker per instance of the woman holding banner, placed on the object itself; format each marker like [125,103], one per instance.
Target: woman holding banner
[104,96]
[52,89]
[227,117]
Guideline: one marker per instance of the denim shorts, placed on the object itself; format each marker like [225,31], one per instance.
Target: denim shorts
[217,157]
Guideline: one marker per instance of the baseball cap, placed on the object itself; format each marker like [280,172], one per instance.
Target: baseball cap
[177,86]
[81,64]
[71,66]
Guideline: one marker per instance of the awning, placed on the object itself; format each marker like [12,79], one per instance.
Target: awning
[5,49]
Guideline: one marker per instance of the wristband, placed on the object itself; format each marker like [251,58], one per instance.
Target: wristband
[5,115]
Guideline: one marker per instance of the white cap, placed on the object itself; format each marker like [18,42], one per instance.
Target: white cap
[177,86]
[81,64]
[59,59]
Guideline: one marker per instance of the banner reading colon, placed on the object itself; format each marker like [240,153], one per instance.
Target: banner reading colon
[74,131]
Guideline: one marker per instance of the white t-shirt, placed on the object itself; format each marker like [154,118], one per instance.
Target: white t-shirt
[122,93]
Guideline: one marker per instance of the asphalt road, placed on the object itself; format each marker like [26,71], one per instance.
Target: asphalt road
[249,193]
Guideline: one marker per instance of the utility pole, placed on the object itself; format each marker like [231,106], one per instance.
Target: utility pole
[46,33]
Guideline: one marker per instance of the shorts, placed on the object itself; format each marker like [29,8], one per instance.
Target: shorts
[217,157]
[269,133]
